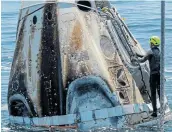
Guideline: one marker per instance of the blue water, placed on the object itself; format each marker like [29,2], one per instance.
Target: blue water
[142,18]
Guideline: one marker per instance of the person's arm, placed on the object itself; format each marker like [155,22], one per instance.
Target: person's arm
[146,57]
[139,55]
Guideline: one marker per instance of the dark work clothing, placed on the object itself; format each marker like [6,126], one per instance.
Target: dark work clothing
[155,86]
[154,61]
[153,56]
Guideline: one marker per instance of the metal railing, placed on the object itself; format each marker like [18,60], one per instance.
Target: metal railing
[162,65]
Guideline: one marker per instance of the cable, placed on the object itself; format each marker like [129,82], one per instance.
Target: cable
[142,78]
[31,13]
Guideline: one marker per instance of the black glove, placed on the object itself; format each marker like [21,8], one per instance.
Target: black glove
[133,58]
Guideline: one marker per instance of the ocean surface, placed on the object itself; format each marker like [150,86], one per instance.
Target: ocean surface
[142,18]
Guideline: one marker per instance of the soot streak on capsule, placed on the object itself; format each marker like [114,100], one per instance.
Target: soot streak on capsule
[51,96]
[18,79]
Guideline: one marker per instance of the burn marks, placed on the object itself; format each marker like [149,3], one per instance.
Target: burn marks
[17,83]
[51,80]
[76,38]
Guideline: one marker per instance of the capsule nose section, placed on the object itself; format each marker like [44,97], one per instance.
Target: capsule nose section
[90,93]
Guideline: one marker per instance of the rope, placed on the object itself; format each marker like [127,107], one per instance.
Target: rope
[132,54]
[144,81]
[124,39]
[31,13]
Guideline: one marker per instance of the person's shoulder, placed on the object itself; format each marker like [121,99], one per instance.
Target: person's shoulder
[150,52]
[156,49]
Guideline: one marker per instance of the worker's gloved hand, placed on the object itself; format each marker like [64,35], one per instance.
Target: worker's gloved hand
[133,59]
